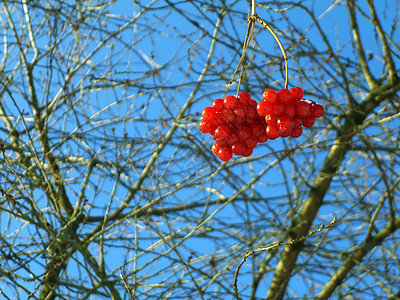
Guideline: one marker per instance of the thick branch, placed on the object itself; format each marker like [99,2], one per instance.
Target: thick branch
[386,50]
[360,52]
[306,216]
[356,258]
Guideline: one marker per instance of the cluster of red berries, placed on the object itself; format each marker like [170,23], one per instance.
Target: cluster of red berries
[286,112]
[235,126]
[238,124]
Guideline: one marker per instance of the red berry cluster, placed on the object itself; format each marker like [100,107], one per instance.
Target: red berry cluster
[286,111]
[235,126]
[238,124]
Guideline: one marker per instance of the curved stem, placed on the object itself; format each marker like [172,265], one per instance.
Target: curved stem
[246,43]
[263,23]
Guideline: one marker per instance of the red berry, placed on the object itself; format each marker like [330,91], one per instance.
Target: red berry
[297,93]
[222,132]
[271,120]
[273,132]
[218,104]
[209,113]
[285,96]
[264,108]
[308,122]
[206,126]
[244,133]
[290,110]
[215,148]
[240,115]
[233,138]
[239,148]
[286,133]
[231,102]
[284,123]
[257,129]
[296,132]
[227,115]
[277,109]
[245,96]
[263,137]
[251,142]
[253,103]
[303,109]
[225,153]
[248,152]
[297,121]
[251,115]
[270,95]
[222,142]
[317,110]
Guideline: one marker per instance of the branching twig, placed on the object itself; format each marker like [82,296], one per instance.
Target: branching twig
[275,245]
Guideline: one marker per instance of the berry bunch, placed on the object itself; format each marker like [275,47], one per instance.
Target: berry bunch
[238,124]
[235,126]
[286,112]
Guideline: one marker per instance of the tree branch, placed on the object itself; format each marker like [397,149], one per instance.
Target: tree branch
[355,259]
[359,47]
[306,215]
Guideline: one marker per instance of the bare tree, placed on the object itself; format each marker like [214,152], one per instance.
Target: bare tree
[111,192]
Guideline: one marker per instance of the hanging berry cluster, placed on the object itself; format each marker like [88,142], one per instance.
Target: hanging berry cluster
[286,112]
[238,124]
[235,125]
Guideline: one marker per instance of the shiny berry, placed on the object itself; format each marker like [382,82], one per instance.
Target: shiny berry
[218,104]
[209,113]
[270,95]
[264,108]
[284,123]
[239,148]
[215,148]
[222,132]
[297,93]
[271,120]
[231,102]
[285,96]
[245,96]
[273,132]
[207,126]
[225,153]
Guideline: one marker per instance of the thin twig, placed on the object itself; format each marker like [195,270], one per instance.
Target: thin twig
[269,247]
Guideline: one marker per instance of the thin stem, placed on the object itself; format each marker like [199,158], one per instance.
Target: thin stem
[246,43]
[263,23]
[242,59]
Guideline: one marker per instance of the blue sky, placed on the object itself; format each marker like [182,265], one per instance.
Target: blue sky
[171,51]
